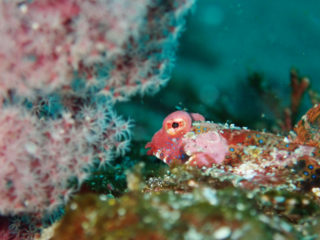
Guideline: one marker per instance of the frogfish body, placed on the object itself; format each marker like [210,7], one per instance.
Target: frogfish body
[187,138]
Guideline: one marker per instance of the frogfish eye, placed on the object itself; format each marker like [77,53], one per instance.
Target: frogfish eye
[177,123]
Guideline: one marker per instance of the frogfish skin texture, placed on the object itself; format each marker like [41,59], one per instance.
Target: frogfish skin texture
[187,138]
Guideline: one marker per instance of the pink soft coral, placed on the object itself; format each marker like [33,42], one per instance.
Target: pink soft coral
[119,47]
[39,157]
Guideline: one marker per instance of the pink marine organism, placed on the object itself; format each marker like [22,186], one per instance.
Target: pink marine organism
[118,47]
[84,52]
[39,157]
[255,156]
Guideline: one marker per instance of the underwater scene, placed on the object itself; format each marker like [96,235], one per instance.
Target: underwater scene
[159,120]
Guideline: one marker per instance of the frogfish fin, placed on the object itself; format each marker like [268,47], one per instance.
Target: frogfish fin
[308,128]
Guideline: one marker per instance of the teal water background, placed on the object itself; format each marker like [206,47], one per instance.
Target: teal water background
[227,39]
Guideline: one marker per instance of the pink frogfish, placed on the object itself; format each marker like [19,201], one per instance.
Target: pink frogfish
[187,138]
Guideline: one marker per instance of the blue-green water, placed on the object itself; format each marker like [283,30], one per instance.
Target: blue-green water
[227,39]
